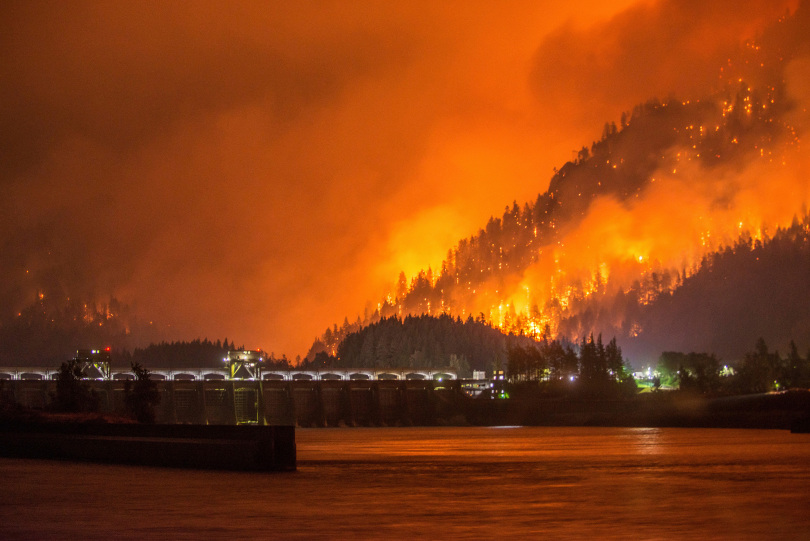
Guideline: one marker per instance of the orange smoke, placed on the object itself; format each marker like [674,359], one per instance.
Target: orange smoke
[258,170]
[737,170]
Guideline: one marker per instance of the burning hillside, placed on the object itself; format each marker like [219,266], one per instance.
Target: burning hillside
[636,214]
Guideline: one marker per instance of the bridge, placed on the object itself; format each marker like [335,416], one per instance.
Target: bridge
[96,364]
[244,390]
[225,373]
[302,402]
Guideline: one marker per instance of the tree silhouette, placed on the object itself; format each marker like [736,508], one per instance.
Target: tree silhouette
[142,396]
[72,394]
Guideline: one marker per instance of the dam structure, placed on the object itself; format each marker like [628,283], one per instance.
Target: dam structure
[243,392]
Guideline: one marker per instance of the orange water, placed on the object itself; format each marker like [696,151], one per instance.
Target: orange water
[440,483]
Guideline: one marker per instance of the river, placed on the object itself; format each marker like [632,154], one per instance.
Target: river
[440,483]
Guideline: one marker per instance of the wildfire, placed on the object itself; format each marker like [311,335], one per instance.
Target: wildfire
[599,232]
[646,248]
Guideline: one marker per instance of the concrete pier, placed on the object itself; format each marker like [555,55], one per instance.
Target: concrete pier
[253,448]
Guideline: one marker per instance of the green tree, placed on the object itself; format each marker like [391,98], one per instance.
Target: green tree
[460,365]
[73,394]
[526,363]
[704,372]
[614,359]
[592,360]
[696,372]
[797,368]
[668,366]
[587,359]
[758,373]
[142,396]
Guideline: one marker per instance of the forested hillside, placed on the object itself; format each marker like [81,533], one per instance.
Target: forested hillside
[427,342]
[679,191]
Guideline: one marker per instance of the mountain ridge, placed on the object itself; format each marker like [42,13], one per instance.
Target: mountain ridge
[597,233]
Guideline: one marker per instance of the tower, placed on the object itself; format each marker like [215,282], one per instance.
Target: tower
[245,364]
[94,363]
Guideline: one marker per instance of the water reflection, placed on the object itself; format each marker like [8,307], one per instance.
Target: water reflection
[646,441]
[402,483]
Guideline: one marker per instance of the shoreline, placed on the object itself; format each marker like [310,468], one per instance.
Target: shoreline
[367,404]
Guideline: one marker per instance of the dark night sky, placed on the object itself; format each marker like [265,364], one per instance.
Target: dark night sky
[261,170]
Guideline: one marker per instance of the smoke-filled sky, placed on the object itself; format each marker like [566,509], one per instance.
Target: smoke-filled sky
[260,170]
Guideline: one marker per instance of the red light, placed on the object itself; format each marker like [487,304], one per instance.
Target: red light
[107,348]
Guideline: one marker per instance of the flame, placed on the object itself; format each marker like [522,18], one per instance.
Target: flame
[649,243]
[734,171]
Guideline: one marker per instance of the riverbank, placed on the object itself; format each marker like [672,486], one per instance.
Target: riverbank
[784,411]
[423,403]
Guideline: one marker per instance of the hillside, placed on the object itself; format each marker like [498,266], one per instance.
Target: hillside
[755,288]
[629,237]
[425,342]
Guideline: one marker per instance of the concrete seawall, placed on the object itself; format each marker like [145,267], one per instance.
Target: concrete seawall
[254,448]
